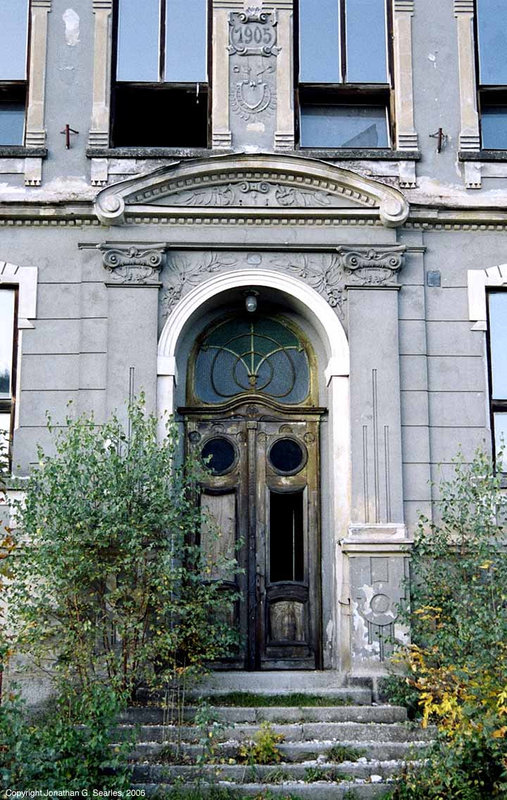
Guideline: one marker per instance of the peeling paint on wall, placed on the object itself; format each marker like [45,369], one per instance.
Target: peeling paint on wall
[71,22]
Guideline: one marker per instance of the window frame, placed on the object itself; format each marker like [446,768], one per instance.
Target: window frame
[486,93]
[495,404]
[347,93]
[160,85]
[8,405]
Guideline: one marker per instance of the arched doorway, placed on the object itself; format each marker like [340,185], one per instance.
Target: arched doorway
[252,415]
[208,303]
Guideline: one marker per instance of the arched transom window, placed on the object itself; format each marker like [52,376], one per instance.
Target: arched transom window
[258,355]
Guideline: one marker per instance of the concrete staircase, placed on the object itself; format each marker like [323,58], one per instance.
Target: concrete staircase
[347,748]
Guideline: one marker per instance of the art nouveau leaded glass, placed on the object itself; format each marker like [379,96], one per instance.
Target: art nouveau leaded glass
[262,355]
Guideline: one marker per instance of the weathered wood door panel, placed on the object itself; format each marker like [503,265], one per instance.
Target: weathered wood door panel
[262,493]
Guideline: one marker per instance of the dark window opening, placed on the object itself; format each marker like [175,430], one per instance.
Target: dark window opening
[160,97]
[287,456]
[160,116]
[286,536]
[218,455]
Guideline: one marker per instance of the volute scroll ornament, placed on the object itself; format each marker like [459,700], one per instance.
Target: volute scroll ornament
[132,263]
[372,266]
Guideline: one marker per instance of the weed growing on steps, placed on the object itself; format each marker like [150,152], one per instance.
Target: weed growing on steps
[210,727]
[339,753]
[263,749]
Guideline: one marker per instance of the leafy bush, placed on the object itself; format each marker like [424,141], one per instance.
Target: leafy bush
[69,748]
[458,660]
[398,689]
[109,582]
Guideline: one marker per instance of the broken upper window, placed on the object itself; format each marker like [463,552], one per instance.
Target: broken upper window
[13,70]
[161,85]
[492,44]
[344,85]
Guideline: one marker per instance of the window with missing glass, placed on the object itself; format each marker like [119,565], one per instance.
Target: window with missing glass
[7,364]
[344,77]
[497,307]
[160,92]
[13,70]
[491,20]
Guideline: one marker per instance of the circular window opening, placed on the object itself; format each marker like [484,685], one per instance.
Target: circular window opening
[287,456]
[219,455]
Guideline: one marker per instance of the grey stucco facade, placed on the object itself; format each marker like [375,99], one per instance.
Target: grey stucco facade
[383,260]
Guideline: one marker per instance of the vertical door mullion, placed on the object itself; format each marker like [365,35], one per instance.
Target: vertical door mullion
[342,34]
[162,39]
[253,656]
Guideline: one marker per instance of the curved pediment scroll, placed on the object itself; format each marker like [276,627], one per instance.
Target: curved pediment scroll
[276,187]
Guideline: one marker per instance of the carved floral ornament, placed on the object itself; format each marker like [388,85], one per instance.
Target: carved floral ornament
[328,273]
[278,187]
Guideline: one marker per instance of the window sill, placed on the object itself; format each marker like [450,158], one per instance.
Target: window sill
[150,152]
[482,155]
[366,154]
[20,151]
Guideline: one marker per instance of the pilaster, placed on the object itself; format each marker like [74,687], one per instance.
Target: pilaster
[469,137]
[406,136]
[133,283]
[221,136]
[35,134]
[102,54]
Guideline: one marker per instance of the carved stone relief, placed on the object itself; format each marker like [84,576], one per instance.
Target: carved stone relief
[327,273]
[249,192]
[377,592]
[133,264]
[371,266]
[252,65]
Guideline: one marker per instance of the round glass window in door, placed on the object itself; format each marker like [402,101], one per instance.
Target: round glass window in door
[287,456]
[219,455]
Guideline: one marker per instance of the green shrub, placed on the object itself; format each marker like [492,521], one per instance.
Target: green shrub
[457,662]
[109,582]
[398,689]
[69,747]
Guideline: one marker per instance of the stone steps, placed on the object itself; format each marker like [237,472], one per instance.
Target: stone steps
[155,715]
[319,790]
[294,752]
[377,739]
[306,731]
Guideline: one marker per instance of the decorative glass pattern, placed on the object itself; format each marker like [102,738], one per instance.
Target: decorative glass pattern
[261,355]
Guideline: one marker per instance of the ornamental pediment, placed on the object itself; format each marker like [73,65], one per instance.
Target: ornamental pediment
[275,186]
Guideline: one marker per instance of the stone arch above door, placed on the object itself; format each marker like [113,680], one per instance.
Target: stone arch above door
[308,301]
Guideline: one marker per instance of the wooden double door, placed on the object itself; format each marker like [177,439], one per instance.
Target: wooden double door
[262,494]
